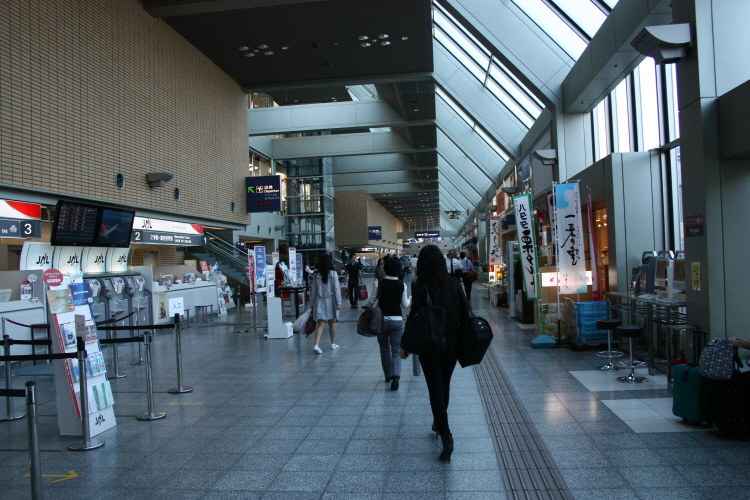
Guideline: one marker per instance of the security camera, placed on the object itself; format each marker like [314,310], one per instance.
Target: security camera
[158,179]
[666,44]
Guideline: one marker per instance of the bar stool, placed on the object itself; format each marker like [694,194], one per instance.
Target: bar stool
[609,325]
[203,312]
[631,332]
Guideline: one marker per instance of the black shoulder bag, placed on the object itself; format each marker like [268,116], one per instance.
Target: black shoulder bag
[370,322]
[424,331]
[475,338]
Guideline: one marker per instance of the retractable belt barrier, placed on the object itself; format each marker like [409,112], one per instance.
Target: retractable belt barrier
[41,326]
[34,457]
[113,320]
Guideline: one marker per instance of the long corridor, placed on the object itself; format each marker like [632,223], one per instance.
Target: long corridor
[270,419]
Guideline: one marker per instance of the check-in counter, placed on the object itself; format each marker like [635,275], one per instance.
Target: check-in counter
[199,293]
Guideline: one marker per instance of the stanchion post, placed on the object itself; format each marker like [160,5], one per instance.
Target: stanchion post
[10,413]
[35,463]
[140,344]
[149,415]
[177,329]
[88,443]
[115,353]
[239,312]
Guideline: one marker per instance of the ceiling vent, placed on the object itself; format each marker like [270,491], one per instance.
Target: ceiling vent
[314,45]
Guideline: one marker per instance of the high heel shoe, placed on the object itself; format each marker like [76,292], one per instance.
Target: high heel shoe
[445,454]
[394,382]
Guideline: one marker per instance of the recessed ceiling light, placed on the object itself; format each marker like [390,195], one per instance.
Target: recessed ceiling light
[249,54]
[284,48]
[263,46]
[268,53]
[383,36]
[365,44]
[363,37]
[243,48]
[404,38]
[256,50]
[385,43]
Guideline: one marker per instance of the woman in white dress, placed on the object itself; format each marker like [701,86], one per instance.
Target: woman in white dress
[325,297]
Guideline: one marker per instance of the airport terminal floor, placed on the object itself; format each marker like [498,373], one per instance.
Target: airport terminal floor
[270,419]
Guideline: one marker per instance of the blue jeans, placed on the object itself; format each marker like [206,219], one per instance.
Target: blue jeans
[390,343]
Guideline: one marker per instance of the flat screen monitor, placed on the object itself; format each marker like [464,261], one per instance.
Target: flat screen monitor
[115,227]
[75,224]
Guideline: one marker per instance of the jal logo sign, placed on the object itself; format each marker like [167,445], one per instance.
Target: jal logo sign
[73,259]
[99,259]
[146,224]
[43,260]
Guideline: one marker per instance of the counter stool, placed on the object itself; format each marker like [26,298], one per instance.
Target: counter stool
[609,325]
[631,332]
[204,312]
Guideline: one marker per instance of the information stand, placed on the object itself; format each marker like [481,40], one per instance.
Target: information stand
[276,328]
[68,303]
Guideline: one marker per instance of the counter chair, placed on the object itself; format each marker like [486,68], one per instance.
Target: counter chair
[609,325]
[631,332]
[204,313]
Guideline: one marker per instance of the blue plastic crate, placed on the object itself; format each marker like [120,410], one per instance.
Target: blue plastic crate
[587,313]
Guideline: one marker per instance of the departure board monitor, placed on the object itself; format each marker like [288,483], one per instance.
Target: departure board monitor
[114,227]
[75,224]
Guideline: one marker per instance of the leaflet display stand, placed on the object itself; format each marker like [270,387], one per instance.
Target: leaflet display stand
[276,328]
[69,304]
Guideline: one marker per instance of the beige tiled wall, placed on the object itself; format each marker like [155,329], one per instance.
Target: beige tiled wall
[350,218]
[89,88]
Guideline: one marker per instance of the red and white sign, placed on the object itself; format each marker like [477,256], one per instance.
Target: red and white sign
[251,271]
[52,277]
[20,210]
[204,266]
[166,226]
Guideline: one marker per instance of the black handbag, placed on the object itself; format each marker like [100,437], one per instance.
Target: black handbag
[475,338]
[370,322]
[424,331]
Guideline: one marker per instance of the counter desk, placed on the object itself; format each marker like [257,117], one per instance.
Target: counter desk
[200,293]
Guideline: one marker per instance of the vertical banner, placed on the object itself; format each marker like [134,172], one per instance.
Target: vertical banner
[551,212]
[527,245]
[251,271]
[293,264]
[300,274]
[495,253]
[260,268]
[570,254]
[595,295]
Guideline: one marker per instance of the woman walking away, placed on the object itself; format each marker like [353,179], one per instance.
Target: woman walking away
[326,299]
[444,292]
[393,297]
[379,271]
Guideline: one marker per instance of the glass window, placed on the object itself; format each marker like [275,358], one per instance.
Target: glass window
[556,28]
[509,103]
[675,199]
[459,54]
[649,109]
[622,110]
[601,130]
[583,13]
[673,108]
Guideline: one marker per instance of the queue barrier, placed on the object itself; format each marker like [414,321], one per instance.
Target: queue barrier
[40,326]
[35,465]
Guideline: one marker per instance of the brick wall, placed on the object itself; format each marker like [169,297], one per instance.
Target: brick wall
[90,88]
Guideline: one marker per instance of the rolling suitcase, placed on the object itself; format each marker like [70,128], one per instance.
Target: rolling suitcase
[691,393]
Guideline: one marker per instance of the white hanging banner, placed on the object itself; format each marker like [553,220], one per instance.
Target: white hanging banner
[570,254]
[495,252]
[527,245]
[293,265]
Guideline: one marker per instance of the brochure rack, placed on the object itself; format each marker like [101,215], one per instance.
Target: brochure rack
[66,304]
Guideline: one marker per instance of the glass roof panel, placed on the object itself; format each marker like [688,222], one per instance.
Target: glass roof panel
[509,103]
[531,107]
[583,13]
[472,48]
[556,28]
[610,3]
[451,103]
[459,54]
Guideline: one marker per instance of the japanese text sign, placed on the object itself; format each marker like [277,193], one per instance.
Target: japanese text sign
[569,234]
[527,245]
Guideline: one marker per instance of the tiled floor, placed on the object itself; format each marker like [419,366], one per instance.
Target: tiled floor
[268,419]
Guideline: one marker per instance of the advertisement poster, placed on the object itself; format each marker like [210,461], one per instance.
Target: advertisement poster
[374,232]
[263,193]
[570,253]
[527,245]
[260,268]
[161,305]
[251,271]
[293,264]
[495,253]
[81,293]
[60,301]
[299,269]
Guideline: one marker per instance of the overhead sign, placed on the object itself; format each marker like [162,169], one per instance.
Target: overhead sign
[20,210]
[20,220]
[166,232]
[527,245]
[427,234]
[263,194]
[374,232]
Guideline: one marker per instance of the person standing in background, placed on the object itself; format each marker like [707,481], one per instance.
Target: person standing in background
[467,266]
[379,271]
[354,274]
[453,266]
[325,296]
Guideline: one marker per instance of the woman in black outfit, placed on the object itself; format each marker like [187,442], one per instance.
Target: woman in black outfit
[445,292]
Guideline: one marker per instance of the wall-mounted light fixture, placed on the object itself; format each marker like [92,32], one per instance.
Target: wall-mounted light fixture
[158,179]
[666,44]
[509,190]
[548,156]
